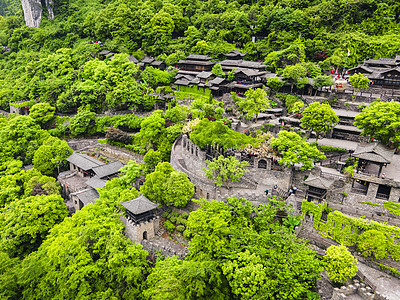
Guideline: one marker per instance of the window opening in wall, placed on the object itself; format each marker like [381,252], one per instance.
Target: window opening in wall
[383,192]
[208,196]
[145,235]
[262,164]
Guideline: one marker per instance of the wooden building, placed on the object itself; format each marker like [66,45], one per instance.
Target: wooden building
[196,63]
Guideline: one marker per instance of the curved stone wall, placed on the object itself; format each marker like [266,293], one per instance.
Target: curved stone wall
[263,174]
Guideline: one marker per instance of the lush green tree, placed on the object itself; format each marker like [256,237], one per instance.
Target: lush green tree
[294,73]
[252,250]
[320,118]
[256,101]
[359,81]
[381,120]
[51,156]
[176,279]
[151,159]
[86,256]
[167,186]
[274,83]
[130,172]
[340,264]
[293,103]
[156,77]
[42,113]
[178,189]
[151,129]
[321,81]
[20,138]
[295,149]
[26,222]
[177,114]
[84,122]
[217,70]
[217,133]
[224,170]
[38,184]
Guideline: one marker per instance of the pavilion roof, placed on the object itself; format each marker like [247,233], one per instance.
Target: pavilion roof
[84,161]
[319,182]
[139,205]
[374,152]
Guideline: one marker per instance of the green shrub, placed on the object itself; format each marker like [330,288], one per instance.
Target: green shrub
[370,203]
[173,219]
[169,226]
[179,220]
[187,234]
[180,228]
[185,215]
[169,210]
[175,214]
[165,214]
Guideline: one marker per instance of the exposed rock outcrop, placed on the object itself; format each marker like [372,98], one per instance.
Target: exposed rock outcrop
[33,11]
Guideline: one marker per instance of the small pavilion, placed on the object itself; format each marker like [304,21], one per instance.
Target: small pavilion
[372,158]
[140,209]
[317,187]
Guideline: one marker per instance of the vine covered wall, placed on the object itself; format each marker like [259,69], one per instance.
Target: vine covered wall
[356,231]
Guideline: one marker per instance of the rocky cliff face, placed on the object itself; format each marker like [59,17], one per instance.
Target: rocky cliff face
[33,11]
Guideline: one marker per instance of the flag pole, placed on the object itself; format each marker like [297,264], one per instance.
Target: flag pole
[345,62]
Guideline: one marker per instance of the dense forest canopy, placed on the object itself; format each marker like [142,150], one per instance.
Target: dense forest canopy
[276,32]
[237,251]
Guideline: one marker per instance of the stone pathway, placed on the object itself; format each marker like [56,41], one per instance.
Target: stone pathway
[387,285]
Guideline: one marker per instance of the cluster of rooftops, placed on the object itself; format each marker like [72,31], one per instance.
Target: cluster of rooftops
[383,71]
[196,70]
[94,174]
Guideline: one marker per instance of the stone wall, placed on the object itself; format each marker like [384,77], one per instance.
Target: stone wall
[188,157]
[356,288]
[135,232]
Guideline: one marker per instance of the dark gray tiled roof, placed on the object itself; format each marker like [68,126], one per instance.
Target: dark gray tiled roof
[243,64]
[96,183]
[380,61]
[88,196]
[148,60]
[364,68]
[84,161]
[193,73]
[157,63]
[133,59]
[319,182]
[181,82]
[374,152]
[139,205]
[108,169]
[198,57]
[196,62]
[217,81]
[195,81]
[235,53]
[105,52]
[205,75]
[184,76]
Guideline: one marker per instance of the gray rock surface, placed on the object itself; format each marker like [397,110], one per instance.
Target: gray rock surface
[33,11]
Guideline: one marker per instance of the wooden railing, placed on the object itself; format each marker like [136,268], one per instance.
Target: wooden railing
[382,196]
